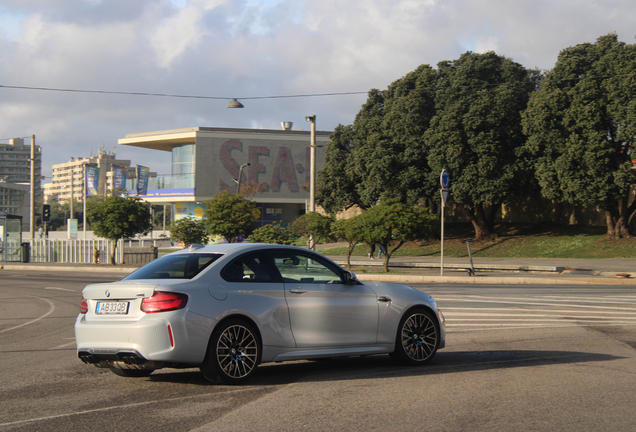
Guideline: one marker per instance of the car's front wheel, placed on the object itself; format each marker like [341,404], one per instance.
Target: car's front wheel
[233,353]
[418,337]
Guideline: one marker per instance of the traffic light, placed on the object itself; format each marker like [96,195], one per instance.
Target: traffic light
[46,213]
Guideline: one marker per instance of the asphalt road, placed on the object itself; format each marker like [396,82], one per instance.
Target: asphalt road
[517,358]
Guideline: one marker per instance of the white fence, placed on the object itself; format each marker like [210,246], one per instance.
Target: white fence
[74,251]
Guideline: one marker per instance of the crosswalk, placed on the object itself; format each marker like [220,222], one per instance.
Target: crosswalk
[483,312]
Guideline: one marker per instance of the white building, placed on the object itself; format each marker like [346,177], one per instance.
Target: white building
[207,160]
[68,178]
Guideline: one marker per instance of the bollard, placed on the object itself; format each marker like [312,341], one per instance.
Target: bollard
[471,270]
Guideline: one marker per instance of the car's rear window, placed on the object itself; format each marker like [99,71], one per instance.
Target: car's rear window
[181,266]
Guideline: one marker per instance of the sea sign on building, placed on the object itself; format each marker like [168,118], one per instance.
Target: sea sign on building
[281,167]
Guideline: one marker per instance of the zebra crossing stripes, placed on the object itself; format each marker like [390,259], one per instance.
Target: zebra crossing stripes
[481,312]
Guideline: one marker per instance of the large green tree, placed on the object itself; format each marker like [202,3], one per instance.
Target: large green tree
[463,116]
[118,217]
[336,181]
[389,156]
[230,216]
[581,127]
[476,132]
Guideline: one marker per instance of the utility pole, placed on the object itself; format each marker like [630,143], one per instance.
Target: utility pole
[32,200]
[70,216]
[312,173]
[84,199]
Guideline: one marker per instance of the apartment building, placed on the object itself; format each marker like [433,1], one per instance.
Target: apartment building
[68,178]
[15,164]
[14,200]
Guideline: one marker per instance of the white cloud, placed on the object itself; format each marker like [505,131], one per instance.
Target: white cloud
[248,48]
[487,43]
[176,34]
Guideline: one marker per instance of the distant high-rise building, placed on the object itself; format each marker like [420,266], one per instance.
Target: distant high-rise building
[15,164]
[68,178]
[14,200]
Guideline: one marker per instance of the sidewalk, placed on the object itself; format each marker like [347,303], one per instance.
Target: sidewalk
[427,269]
[497,270]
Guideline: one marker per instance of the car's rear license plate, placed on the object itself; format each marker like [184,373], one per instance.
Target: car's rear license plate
[112,308]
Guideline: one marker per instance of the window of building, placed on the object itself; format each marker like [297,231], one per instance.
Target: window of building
[183,159]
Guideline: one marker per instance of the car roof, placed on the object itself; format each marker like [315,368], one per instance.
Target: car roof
[227,248]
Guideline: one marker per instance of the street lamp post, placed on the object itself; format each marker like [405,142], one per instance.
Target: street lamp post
[312,172]
[312,164]
[240,176]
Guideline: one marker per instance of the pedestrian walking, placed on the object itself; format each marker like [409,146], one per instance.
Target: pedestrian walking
[371,247]
[382,250]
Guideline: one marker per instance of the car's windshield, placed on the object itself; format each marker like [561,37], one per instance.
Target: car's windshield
[180,266]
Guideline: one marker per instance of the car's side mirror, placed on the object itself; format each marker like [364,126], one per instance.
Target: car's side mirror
[349,278]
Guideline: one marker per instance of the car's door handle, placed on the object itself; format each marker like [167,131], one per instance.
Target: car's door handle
[297,291]
[385,299]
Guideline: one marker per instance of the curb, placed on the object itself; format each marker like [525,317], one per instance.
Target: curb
[451,266]
[493,280]
[88,268]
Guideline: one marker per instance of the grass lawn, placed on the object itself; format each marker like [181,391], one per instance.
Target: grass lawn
[522,241]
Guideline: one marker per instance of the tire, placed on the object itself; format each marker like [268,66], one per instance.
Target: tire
[233,354]
[417,338]
[132,373]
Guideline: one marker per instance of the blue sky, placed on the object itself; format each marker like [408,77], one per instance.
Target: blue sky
[250,48]
[10,22]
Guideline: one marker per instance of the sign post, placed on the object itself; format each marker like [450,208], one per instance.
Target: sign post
[444,181]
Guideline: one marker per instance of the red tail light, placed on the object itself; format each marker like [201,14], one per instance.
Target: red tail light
[163,302]
[83,306]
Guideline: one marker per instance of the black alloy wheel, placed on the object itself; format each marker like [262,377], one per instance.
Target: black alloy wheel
[417,339]
[233,353]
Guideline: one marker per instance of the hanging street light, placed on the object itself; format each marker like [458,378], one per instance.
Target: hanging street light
[234,104]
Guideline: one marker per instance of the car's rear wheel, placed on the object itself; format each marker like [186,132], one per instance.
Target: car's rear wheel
[418,337]
[132,373]
[233,353]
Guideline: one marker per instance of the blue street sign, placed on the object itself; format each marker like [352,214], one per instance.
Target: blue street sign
[444,179]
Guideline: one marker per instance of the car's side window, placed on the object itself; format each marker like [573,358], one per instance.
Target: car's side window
[178,266]
[249,268]
[304,268]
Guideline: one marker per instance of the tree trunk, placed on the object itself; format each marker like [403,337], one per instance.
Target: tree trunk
[112,257]
[492,214]
[389,253]
[618,219]
[349,252]
[616,225]
[480,222]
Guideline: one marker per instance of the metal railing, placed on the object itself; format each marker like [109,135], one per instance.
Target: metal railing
[74,251]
